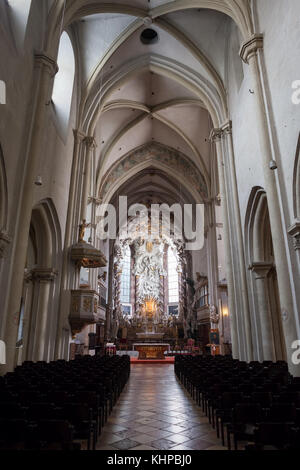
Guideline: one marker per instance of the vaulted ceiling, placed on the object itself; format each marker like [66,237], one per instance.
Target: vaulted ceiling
[167,92]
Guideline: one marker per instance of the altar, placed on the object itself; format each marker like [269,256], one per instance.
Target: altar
[151,350]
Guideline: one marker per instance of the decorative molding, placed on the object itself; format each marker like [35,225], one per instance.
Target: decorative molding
[251,46]
[261,269]
[83,309]
[90,142]
[174,159]
[41,59]
[216,135]
[95,200]
[294,231]
[79,136]
[44,274]
[227,128]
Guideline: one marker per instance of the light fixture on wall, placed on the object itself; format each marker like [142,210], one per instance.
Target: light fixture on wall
[38,181]
[225,312]
[273,165]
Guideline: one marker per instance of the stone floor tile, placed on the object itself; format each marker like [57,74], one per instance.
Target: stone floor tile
[125,444]
[162,444]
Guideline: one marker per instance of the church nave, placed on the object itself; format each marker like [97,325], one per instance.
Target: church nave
[154,412]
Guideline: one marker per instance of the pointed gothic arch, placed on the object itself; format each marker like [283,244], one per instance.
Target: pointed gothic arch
[37,321]
[263,278]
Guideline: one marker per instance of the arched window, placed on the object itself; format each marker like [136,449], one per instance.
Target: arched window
[63,83]
[125,278]
[173,284]
[20,10]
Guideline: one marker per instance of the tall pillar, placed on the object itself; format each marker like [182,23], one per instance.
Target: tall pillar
[227,132]
[249,53]
[28,298]
[83,149]
[90,144]
[43,277]
[216,138]
[70,234]
[212,255]
[261,271]
[46,70]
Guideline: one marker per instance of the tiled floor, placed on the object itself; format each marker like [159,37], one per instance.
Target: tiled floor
[155,412]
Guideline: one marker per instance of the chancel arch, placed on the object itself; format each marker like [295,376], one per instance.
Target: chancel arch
[160,156]
[267,317]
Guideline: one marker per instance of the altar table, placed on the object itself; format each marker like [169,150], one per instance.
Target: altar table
[151,350]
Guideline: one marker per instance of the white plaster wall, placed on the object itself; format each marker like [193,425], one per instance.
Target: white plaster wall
[17,70]
[281,26]
[242,114]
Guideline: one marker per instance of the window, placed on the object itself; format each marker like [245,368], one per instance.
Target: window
[173,285]
[125,278]
[204,297]
[20,10]
[63,83]
[173,310]
[21,323]
[126,309]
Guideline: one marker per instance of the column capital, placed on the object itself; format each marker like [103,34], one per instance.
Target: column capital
[227,127]
[261,269]
[251,46]
[42,59]
[44,274]
[96,200]
[215,135]
[294,231]
[90,142]
[79,136]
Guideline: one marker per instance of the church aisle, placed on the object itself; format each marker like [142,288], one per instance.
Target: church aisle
[155,413]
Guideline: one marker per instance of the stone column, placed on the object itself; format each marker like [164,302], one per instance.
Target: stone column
[249,53]
[71,235]
[212,255]
[216,138]
[227,132]
[108,312]
[261,271]
[90,144]
[43,277]
[46,70]
[28,297]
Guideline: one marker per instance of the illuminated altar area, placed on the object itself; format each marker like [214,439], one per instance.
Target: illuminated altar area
[149,275]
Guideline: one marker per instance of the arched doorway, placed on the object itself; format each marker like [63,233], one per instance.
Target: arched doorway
[266,304]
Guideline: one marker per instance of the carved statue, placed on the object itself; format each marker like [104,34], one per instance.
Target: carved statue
[148,268]
[82,228]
